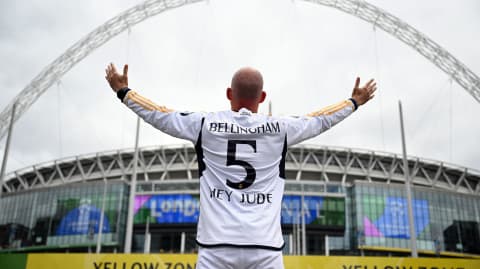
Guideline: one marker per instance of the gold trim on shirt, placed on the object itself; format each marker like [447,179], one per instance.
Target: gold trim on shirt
[331,109]
[144,102]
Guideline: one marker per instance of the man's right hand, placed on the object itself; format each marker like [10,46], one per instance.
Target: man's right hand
[116,80]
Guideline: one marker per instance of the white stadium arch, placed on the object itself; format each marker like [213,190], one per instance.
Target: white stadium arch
[358,8]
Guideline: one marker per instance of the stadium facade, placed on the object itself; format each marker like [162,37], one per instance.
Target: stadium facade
[338,201]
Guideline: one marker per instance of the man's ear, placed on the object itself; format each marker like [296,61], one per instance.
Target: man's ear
[262,97]
[229,94]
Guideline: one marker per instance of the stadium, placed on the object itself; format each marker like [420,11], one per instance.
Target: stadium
[353,203]
[338,201]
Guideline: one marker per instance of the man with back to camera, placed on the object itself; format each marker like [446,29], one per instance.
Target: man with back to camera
[241,164]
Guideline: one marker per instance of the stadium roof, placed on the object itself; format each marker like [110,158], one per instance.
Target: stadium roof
[330,165]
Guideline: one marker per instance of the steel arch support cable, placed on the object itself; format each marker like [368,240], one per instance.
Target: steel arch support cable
[81,49]
[361,9]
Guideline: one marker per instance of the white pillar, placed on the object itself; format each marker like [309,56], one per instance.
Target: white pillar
[182,242]
[148,237]
[102,216]
[304,230]
[411,221]
[327,246]
[297,233]
[290,244]
[133,189]
[146,246]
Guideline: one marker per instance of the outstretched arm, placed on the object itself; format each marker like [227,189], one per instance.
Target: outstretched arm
[119,84]
[319,121]
[360,96]
[181,125]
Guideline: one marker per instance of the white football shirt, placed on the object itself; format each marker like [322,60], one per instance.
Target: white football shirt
[241,162]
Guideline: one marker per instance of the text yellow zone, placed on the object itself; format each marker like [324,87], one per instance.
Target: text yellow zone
[187,261]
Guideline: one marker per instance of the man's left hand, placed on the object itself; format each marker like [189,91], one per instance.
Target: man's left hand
[361,95]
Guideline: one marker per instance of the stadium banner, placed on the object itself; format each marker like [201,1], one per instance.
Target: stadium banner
[319,212]
[187,261]
[392,219]
[80,217]
[78,220]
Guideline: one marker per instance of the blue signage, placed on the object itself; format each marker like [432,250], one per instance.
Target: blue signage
[173,208]
[84,219]
[292,209]
[393,222]
[185,208]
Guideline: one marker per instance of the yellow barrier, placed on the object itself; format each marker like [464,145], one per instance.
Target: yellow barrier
[179,261]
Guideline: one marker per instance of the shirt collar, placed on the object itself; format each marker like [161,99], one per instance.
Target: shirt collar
[245,112]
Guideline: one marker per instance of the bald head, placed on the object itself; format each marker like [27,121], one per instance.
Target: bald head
[247,83]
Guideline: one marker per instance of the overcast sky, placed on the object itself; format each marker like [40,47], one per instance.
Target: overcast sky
[184,59]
